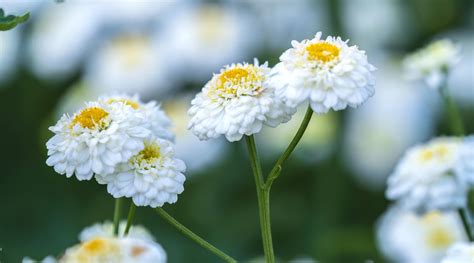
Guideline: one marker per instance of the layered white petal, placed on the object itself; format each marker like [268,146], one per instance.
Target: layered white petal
[106,229]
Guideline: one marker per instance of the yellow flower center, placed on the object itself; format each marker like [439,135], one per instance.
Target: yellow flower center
[90,118]
[149,155]
[95,246]
[439,238]
[322,51]
[438,151]
[237,80]
[130,103]
[131,50]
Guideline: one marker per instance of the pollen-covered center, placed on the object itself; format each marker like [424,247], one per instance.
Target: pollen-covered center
[131,50]
[237,81]
[90,118]
[147,157]
[322,51]
[128,102]
[439,238]
[434,153]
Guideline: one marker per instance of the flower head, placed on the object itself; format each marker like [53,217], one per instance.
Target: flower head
[236,102]
[432,62]
[404,236]
[327,73]
[459,253]
[115,250]
[424,178]
[95,139]
[106,230]
[152,177]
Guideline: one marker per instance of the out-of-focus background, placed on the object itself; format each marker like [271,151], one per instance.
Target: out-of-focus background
[331,193]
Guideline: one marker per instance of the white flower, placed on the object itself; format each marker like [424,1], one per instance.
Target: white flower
[155,117]
[188,147]
[462,252]
[130,62]
[237,102]
[432,62]
[152,177]
[61,38]
[96,139]
[373,140]
[106,230]
[403,236]
[424,179]
[115,250]
[327,73]
[465,165]
[210,35]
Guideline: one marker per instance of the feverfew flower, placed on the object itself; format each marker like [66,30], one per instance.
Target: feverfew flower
[424,179]
[327,73]
[460,253]
[115,250]
[131,62]
[155,117]
[432,62]
[106,230]
[152,177]
[96,139]
[48,259]
[465,165]
[237,102]
[404,236]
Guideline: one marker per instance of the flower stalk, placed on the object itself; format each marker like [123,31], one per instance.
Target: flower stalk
[117,212]
[264,185]
[191,235]
[457,128]
[131,215]
[263,197]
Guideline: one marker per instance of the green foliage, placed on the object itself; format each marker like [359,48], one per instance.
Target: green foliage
[8,22]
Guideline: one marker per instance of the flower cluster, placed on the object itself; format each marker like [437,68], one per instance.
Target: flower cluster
[242,98]
[123,143]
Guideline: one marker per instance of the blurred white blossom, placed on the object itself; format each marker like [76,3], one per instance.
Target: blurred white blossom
[205,37]
[432,63]
[62,36]
[397,117]
[461,252]
[404,236]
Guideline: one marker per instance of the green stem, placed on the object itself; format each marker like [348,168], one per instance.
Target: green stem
[184,230]
[275,172]
[118,204]
[463,214]
[131,215]
[263,196]
[457,129]
[454,116]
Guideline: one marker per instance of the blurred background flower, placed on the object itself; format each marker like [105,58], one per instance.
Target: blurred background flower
[74,51]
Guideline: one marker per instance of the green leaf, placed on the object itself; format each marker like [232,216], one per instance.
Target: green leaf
[10,21]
